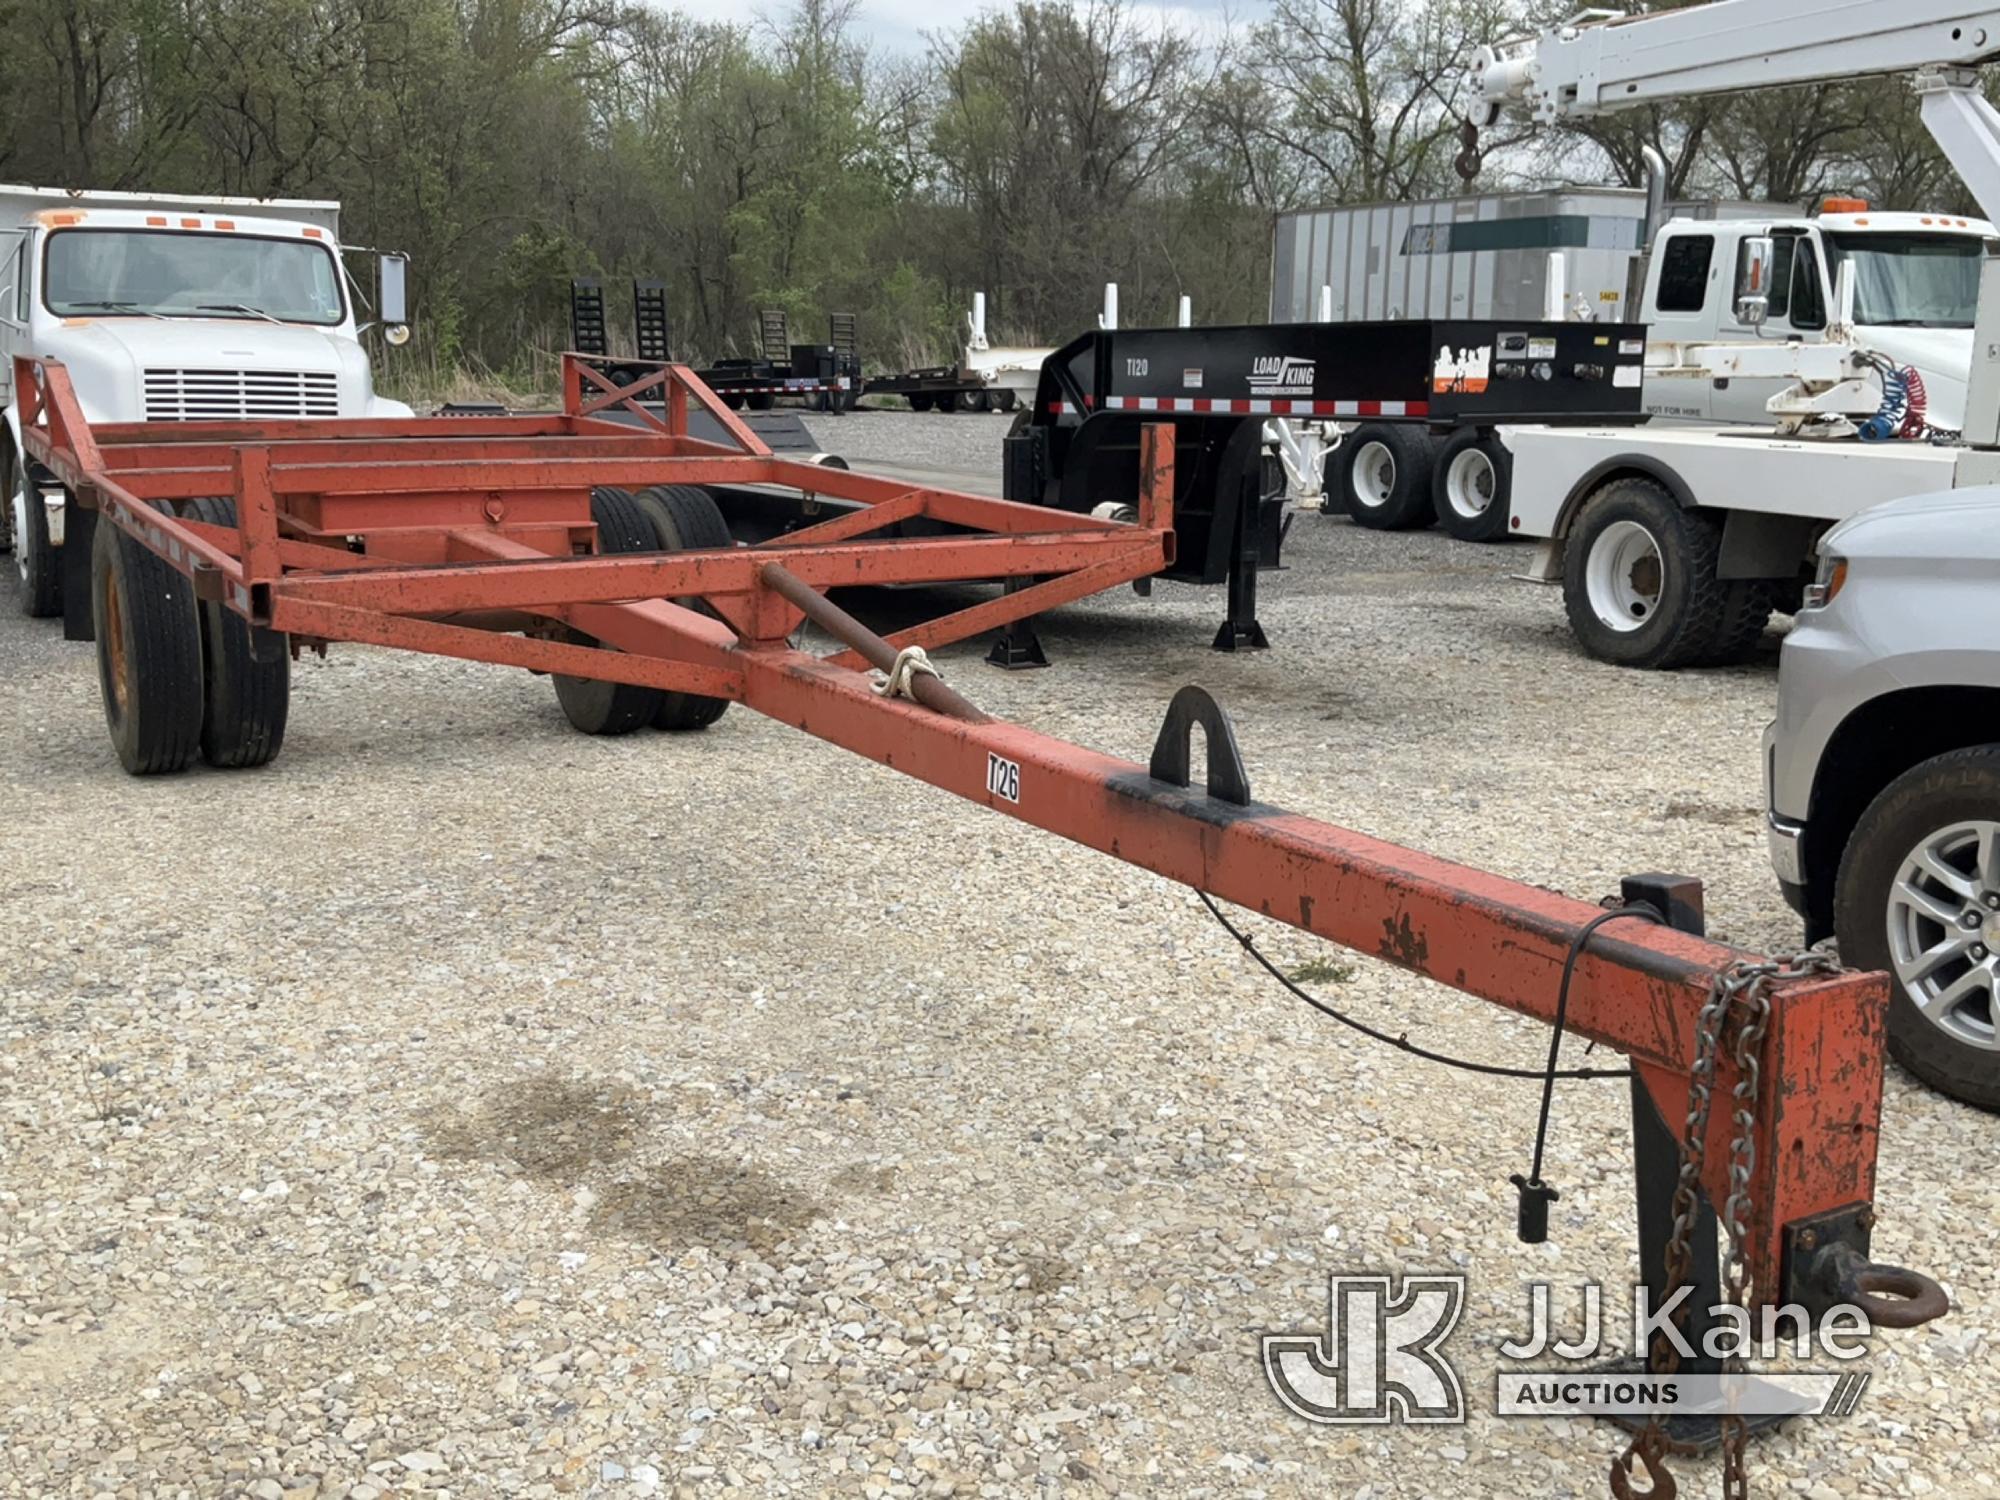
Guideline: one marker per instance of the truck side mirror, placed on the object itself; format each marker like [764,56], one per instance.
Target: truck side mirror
[392,299]
[1753,280]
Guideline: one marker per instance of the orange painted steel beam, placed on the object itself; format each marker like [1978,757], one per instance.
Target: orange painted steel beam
[641,575]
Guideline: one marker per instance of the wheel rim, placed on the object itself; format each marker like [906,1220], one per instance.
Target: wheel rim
[1469,483]
[1624,576]
[117,664]
[1374,477]
[21,532]
[1944,930]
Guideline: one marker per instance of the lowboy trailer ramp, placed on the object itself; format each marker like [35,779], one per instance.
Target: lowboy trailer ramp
[518,541]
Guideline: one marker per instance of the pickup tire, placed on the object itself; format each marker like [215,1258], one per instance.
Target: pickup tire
[685,518]
[246,672]
[1639,578]
[1910,883]
[148,653]
[1383,471]
[591,704]
[37,561]
[1472,486]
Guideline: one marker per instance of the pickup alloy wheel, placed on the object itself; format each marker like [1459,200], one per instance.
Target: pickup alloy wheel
[1918,894]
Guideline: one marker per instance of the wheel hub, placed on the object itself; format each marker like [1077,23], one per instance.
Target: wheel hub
[1374,473]
[1469,484]
[1944,930]
[1624,576]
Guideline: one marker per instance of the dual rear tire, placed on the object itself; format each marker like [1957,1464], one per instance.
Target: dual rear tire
[1641,584]
[1381,473]
[663,518]
[181,676]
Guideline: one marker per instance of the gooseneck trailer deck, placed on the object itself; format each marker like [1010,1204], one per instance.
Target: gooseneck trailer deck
[521,541]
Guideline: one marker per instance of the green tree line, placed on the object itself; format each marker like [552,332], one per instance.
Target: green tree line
[1033,151]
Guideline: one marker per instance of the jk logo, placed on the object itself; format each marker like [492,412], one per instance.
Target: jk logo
[1378,1360]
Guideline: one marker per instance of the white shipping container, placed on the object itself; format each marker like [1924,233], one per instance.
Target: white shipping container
[1481,256]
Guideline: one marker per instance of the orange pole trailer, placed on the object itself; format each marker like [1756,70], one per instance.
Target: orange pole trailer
[404,533]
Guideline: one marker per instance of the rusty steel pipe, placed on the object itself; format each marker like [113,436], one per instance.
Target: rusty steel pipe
[851,633]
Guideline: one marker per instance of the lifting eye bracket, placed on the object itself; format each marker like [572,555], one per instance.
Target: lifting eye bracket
[1227,780]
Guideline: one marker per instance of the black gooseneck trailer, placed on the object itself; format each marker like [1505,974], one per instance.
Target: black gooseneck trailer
[1078,447]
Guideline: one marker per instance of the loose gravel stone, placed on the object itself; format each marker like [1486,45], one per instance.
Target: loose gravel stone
[465,1106]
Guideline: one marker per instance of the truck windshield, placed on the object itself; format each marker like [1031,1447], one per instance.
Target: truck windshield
[141,273]
[1915,280]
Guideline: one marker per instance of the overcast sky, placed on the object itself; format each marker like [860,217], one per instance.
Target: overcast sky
[900,25]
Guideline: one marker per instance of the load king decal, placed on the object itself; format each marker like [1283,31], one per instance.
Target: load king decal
[1281,375]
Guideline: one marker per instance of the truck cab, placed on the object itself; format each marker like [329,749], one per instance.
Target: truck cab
[1916,285]
[174,309]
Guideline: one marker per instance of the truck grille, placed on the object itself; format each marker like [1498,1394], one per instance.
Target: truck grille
[232,395]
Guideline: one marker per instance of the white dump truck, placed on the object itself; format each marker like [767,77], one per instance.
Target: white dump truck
[170,308]
[1495,256]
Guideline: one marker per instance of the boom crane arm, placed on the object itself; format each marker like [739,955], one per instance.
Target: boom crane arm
[1601,61]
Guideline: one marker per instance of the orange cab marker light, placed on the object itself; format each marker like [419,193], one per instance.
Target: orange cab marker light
[156,221]
[190,223]
[64,219]
[225,223]
[312,234]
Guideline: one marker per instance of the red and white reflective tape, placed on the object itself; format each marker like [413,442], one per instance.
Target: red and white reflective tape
[1260,407]
[726,389]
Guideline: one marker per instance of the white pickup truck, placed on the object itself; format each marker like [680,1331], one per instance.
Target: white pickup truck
[1916,281]
[166,308]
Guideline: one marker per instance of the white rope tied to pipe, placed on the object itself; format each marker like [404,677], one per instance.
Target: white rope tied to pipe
[895,683]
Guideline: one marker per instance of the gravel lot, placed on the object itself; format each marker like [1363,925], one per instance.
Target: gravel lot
[464,1106]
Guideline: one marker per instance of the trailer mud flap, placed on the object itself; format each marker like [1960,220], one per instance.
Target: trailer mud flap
[79,532]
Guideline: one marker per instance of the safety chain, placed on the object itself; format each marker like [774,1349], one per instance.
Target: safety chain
[1744,988]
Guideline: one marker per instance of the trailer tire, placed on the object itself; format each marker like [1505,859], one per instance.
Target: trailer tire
[761,400]
[1001,399]
[246,672]
[148,653]
[1472,486]
[1639,578]
[970,401]
[37,561]
[591,704]
[685,518]
[1384,471]
[920,401]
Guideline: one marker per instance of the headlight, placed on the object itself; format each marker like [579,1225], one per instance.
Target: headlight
[1827,582]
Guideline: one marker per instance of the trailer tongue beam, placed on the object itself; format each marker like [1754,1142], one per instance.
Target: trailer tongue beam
[427,565]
